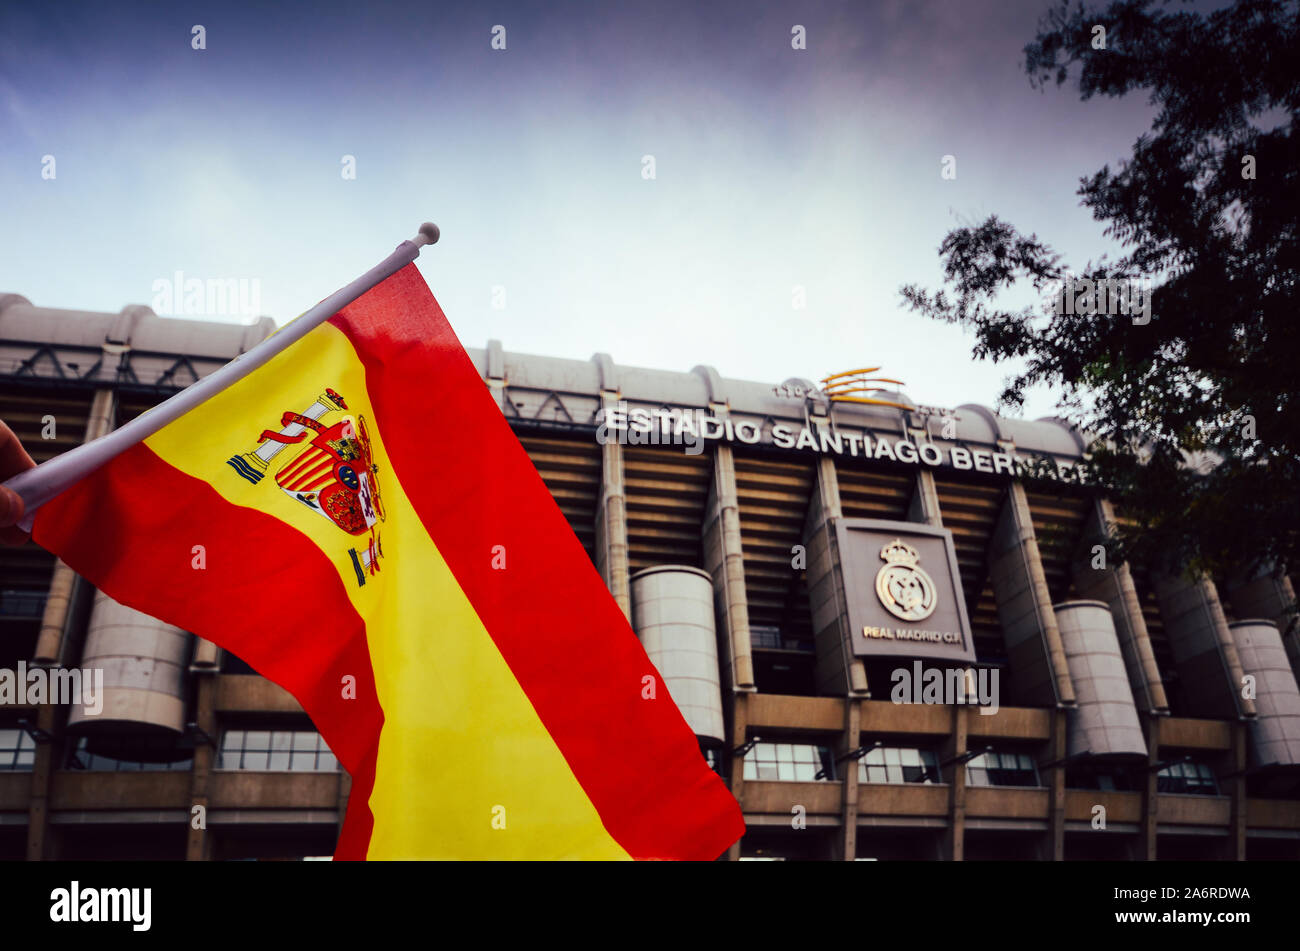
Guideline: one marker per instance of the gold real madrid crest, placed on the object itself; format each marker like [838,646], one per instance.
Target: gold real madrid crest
[905,590]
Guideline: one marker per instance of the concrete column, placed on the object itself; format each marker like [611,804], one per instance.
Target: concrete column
[345,793]
[1236,846]
[49,643]
[495,376]
[924,506]
[739,727]
[58,604]
[1055,851]
[672,614]
[1105,720]
[1275,732]
[837,671]
[47,754]
[1035,655]
[50,646]
[1114,585]
[611,518]
[848,844]
[1148,837]
[198,844]
[1202,646]
[725,561]
[1271,595]
[144,662]
[954,838]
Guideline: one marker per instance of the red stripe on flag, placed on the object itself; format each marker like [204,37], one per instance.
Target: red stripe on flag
[312,458]
[130,528]
[549,612]
[326,479]
[324,470]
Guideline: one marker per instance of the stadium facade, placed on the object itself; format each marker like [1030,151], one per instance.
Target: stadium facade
[891,626]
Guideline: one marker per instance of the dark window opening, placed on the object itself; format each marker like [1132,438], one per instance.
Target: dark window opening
[126,753]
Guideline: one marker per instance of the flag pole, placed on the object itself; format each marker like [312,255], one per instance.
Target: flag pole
[37,486]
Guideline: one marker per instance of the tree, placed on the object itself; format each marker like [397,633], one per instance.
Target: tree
[1195,413]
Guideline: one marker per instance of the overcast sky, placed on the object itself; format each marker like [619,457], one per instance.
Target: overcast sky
[774,168]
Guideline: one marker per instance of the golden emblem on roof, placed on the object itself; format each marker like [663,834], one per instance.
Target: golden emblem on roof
[855,386]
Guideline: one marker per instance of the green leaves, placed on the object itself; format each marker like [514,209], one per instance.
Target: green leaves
[1205,207]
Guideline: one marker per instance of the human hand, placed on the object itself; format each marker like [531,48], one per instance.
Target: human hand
[13,460]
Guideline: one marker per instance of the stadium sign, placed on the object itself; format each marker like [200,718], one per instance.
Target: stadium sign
[903,590]
[693,428]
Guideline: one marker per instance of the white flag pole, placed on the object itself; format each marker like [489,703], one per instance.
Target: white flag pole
[37,486]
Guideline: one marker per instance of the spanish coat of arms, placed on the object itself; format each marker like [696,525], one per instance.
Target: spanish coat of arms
[321,458]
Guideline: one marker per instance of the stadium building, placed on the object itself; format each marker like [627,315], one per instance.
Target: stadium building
[891,626]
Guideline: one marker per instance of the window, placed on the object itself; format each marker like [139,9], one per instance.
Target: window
[19,603]
[769,637]
[1107,778]
[1193,779]
[899,765]
[799,762]
[125,754]
[1002,769]
[275,751]
[17,750]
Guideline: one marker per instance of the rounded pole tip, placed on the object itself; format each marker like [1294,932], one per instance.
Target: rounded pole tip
[429,232]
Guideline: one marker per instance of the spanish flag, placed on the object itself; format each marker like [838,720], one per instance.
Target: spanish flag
[355,519]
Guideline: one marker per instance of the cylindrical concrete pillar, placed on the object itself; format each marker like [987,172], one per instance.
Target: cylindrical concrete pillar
[1271,595]
[1105,723]
[1275,732]
[672,614]
[143,661]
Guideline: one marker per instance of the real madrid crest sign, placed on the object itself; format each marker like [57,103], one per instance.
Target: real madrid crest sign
[905,590]
[911,605]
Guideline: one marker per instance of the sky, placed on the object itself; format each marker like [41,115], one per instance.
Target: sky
[778,173]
